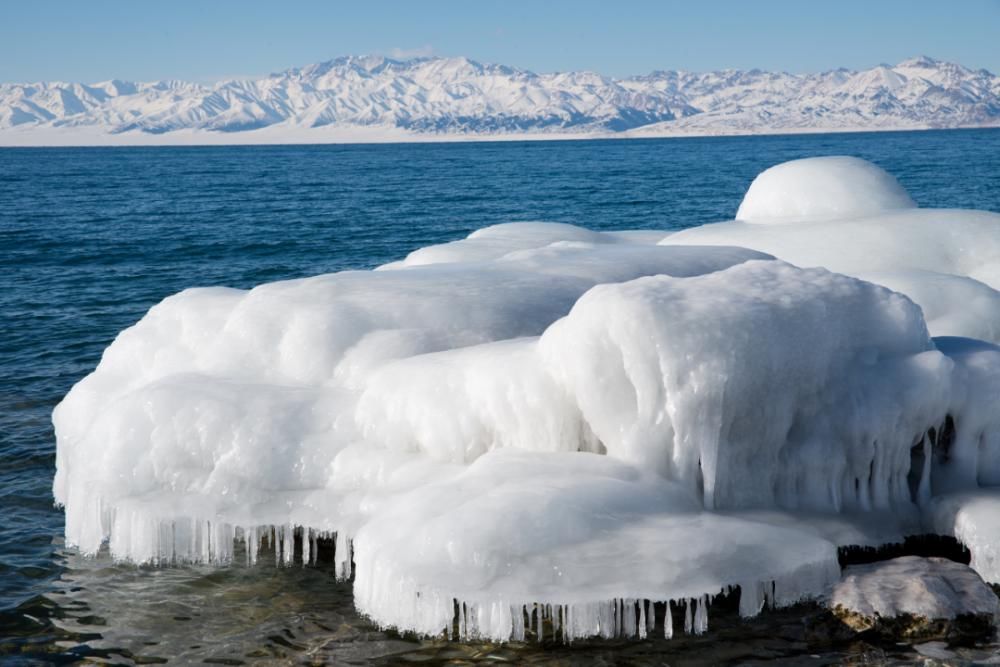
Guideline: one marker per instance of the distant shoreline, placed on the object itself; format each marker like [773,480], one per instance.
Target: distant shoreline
[360,135]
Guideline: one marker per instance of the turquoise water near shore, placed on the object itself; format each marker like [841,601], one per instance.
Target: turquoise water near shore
[92,237]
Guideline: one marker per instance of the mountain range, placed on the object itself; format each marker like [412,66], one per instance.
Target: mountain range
[373,97]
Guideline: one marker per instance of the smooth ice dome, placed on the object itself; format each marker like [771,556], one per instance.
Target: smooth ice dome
[541,422]
[821,188]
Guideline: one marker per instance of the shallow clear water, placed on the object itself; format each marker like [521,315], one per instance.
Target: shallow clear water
[91,238]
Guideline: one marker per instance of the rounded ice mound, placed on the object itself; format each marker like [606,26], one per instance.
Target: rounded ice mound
[821,188]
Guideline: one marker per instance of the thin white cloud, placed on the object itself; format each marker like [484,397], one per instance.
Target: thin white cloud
[219,78]
[405,54]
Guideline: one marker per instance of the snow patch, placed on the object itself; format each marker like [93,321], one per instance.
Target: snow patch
[930,588]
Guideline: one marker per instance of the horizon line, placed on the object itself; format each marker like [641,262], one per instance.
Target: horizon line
[485,63]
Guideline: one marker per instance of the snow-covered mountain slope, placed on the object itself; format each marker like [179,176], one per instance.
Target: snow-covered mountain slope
[459,97]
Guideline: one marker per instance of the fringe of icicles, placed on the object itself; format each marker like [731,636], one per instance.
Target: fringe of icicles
[621,617]
[138,539]
[609,619]
[397,601]
[394,599]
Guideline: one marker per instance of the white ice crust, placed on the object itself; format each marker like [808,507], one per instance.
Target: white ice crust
[543,422]
[931,588]
[851,217]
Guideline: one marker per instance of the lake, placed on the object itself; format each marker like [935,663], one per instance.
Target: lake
[92,237]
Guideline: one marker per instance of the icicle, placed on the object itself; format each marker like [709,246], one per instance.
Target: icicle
[650,616]
[642,619]
[668,621]
[538,615]
[751,598]
[924,490]
[607,619]
[288,544]
[248,544]
[306,544]
[343,555]
[631,626]
[473,620]
[687,616]
[517,622]
[220,549]
[701,616]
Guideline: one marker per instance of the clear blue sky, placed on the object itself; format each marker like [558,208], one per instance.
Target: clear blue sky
[92,40]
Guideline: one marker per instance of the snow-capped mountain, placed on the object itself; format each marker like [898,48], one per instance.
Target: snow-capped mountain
[461,97]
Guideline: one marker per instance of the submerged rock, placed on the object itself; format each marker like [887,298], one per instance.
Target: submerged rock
[916,599]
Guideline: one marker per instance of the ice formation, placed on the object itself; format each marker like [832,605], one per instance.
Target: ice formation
[931,588]
[542,428]
[822,188]
[851,217]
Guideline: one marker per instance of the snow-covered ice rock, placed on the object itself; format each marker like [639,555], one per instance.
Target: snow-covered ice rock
[546,422]
[851,217]
[915,598]
[825,188]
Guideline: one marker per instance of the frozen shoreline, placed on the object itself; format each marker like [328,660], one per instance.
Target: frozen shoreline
[276,136]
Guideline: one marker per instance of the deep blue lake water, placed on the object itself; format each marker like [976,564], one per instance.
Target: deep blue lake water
[90,238]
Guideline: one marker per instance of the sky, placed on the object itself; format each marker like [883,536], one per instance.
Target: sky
[210,40]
